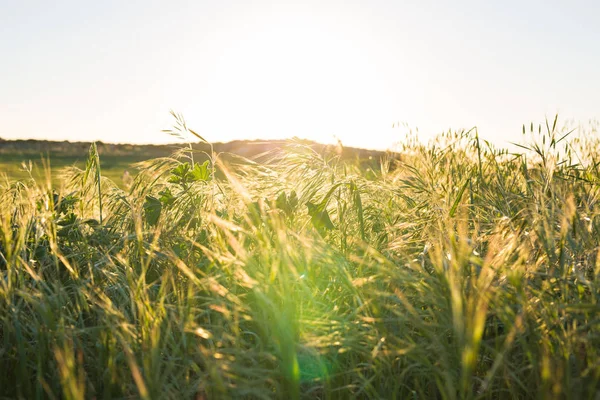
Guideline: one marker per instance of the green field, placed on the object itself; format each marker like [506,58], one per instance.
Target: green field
[113,167]
[18,157]
[456,271]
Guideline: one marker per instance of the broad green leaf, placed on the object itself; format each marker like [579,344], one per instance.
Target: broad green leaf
[319,216]
[152,209]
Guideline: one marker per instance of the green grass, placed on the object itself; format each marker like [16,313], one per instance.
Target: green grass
[459,272]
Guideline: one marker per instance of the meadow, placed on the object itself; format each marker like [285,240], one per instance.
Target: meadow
[18,167]
[32,159]
[454,271]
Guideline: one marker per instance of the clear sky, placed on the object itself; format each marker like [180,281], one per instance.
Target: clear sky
[112,70]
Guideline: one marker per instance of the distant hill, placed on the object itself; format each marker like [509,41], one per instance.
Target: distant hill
[245,148]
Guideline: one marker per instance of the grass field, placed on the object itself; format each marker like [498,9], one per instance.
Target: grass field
[27,159]
[457,272]
[113,167]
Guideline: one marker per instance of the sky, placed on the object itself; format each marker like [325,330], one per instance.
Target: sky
[321,70]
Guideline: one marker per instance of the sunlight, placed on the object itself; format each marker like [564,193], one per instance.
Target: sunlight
[283,80]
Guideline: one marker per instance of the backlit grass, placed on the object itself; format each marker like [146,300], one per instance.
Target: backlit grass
[460,271]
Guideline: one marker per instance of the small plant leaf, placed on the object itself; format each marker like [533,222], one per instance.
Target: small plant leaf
[166,197]
[200,172]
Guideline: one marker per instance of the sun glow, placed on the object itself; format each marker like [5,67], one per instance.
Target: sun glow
[283,79]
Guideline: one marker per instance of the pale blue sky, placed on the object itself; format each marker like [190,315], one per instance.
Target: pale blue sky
[112,70]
